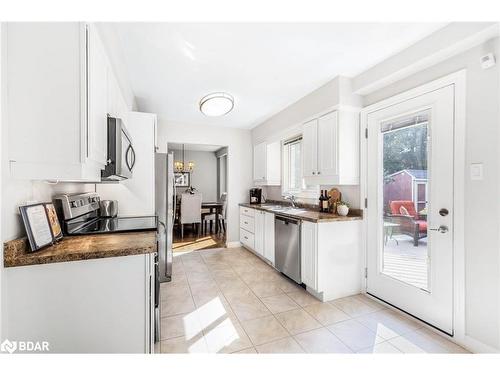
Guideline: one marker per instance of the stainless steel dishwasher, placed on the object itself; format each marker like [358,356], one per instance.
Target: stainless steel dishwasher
[287,246]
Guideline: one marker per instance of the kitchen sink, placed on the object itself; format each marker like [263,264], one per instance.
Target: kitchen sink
[285,209]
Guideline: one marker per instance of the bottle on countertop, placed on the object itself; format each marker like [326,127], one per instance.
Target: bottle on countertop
[325,202]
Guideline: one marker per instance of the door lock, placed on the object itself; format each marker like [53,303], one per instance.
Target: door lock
[441,229]
[443,212]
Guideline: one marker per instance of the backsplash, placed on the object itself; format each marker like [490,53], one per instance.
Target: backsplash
[20,192]
[350,193]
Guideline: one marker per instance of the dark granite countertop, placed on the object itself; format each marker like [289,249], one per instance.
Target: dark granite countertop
[308,214]
[17,252]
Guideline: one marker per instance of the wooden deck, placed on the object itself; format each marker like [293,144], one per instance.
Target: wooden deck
[405,262]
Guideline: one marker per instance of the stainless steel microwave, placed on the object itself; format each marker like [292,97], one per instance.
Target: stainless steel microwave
[121,153]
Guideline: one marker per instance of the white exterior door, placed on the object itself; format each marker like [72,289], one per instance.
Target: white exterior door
[410,243]
[310,148]
[328,145]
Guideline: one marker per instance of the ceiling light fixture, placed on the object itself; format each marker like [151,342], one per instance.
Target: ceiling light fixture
[216,104]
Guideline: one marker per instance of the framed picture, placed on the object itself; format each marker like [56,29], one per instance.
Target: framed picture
[37,226]
[55,226]
[182,179]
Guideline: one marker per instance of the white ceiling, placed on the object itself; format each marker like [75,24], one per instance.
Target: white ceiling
[193,147]
[266,67]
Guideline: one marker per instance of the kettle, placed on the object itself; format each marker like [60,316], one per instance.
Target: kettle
[108,208]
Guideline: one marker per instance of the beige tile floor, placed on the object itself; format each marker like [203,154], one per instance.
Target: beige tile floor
[230,301]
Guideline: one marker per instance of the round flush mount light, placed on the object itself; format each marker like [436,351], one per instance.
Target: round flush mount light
[216,104]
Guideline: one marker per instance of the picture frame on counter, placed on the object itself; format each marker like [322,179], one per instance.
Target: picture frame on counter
[42,225]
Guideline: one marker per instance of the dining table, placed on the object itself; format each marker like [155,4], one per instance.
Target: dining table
[214,207]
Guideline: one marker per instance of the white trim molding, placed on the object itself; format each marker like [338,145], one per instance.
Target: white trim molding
[440,46]
[458,79]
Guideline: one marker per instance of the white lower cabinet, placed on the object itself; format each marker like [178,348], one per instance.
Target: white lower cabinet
[257,232]
[88,306]
[331,260]
[269,236]
[308,255]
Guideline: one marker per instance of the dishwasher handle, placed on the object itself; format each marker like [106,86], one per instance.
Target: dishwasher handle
[287,220]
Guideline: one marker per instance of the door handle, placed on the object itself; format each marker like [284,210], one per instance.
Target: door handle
[441,229]
[126,158]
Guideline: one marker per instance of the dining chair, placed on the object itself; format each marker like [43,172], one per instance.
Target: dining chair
[190,211]
[210,218]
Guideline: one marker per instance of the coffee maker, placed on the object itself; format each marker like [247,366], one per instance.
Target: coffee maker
[255,196]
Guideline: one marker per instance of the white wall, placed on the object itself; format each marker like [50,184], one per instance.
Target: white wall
[288,123]
[239,146]
[204,175]
[335,92]
[482,244]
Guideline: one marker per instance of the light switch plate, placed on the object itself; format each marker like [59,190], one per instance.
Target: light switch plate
[476,171]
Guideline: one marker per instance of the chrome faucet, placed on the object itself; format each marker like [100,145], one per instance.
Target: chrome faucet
[291,198]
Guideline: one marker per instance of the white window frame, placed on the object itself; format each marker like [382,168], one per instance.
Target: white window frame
[304,192]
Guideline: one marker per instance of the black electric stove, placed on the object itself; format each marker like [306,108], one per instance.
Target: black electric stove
[80,215]
[112,225]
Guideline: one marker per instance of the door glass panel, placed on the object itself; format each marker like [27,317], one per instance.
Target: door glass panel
[405,202]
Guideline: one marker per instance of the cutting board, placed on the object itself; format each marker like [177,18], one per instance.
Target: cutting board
[335,196]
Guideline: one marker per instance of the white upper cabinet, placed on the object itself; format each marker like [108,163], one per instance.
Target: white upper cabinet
[328,145]
[99,77]
[56,89]
[310,148]
[267,163]
[331,149]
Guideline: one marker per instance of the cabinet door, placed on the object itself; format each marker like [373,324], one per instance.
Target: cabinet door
[259,232]
[328,145]
[113,94]
[43,66]
[309,251]
[269,236]
[273,163]
[259,162]
[98,71]
[309,148]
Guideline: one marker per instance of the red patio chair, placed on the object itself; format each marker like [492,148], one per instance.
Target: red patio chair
[410,223]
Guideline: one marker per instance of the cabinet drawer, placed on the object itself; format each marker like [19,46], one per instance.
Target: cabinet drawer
[247,238]
[247,223]
[247,211]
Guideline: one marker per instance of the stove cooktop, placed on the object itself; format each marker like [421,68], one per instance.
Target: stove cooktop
[115,225]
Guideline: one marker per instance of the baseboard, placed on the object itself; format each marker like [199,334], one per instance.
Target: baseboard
[467,342]
[476,346]
[233,244]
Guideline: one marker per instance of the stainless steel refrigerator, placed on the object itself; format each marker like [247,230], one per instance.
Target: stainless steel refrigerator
[165,209]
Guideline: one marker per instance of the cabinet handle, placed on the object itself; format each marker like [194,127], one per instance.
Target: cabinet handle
[245,222]
[246,238]
[319,172]
[314,172]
